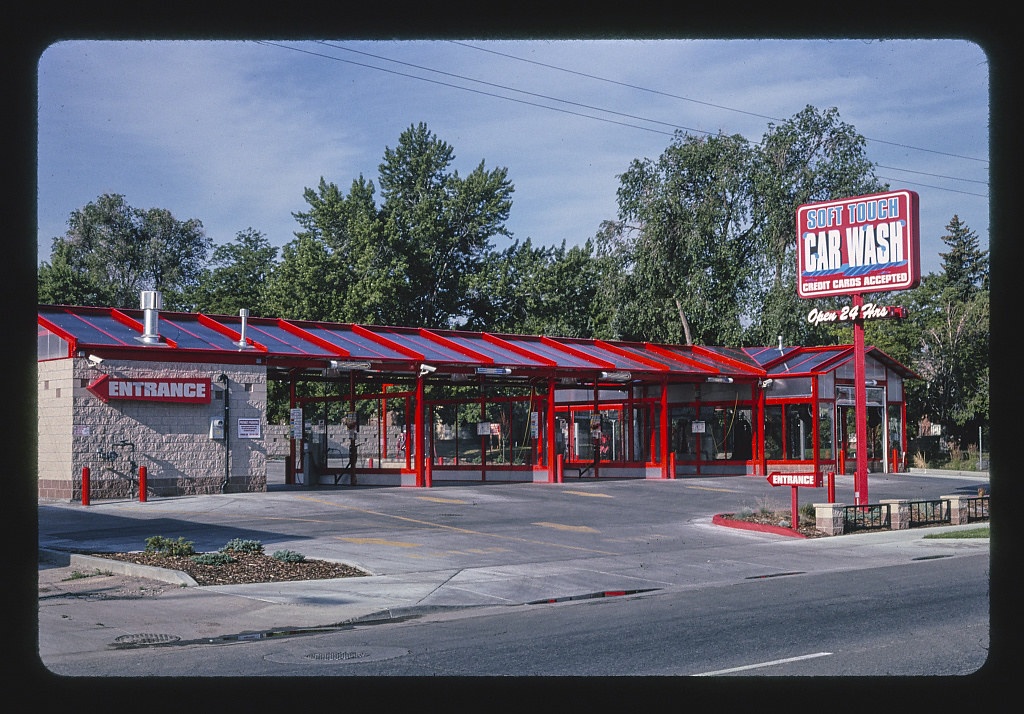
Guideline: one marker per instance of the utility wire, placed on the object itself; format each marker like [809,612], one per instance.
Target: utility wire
[690,99]
[586,106]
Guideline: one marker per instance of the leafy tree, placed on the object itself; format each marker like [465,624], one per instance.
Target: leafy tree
[809,158]
[112,251]
[305,284]
[62,282]
[437,226]
[410,262]
[236,277]
[955,338]
[545,290]
[966,265]
[685,241]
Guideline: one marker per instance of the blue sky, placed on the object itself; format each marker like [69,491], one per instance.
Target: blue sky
[232,132]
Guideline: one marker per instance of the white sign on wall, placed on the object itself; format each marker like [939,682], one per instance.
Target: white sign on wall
[249,428]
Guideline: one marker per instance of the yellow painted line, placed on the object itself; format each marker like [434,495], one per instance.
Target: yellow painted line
[584,493]
[720,490]
[563,527]
[440,500]
[380,541]
[443,526]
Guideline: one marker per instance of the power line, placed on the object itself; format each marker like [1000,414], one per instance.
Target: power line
[690,99]
[580,105]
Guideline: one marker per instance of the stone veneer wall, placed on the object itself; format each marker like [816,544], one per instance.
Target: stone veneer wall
[113,439]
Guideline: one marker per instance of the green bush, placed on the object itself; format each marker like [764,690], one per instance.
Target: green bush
[166,546]
[240,545]
[288,556]
[213,559]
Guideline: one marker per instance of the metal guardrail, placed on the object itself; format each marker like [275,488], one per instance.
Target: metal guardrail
[977,509]
[865,517]
[929,513]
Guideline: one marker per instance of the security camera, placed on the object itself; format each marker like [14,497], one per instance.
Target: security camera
[95,360]
[426,369]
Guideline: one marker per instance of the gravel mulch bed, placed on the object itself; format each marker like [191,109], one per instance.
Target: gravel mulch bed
[248,568]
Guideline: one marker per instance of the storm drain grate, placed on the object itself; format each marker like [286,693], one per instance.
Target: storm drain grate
[773,575]
[592,596]
[144,640]
[337,656]
[931,557]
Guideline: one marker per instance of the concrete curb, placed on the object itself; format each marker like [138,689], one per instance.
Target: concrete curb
[722,519]
[166,575]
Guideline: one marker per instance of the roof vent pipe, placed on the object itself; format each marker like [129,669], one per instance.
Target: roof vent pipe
[151,303]
[244,314]
[781,348]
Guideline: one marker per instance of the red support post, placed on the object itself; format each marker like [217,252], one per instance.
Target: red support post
[418,433]
[142,484]
[860,490]
[793,509]
[85,485]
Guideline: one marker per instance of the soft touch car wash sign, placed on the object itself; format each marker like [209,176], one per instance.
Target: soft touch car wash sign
[187,390]
[858,245]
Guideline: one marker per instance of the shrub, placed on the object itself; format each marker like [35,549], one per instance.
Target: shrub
[213,559]
[808,514]
[288,556]
[240,545]
[166,546]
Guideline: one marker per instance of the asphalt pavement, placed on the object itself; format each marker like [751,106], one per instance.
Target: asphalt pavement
[453,546]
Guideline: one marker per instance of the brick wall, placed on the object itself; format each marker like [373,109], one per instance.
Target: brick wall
[113,439]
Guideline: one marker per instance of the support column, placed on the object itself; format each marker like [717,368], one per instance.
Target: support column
[663,428]
[550,430]
[899,513]
[861,405]
[418,434]
[828,518]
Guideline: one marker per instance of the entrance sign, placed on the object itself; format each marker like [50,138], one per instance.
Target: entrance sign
[858,245]
[186,390]
[777,478]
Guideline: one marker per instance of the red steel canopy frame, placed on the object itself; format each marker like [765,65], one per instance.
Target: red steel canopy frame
[298,349]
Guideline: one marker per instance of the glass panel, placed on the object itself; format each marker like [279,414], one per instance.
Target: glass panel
[895,384]
[50,346]
[798,432]
[773,432]
[641,433]
[582,441]
[895,430]
[682,440]
[791,387]
[825,445]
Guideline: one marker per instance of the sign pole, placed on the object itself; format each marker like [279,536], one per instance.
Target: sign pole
[860,406]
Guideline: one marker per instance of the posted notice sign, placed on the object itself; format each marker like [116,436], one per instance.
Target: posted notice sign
[858,245]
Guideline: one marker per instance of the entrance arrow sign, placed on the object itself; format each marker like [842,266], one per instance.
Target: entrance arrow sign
[777,478]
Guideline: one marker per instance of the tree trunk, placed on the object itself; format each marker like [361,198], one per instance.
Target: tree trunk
[683,320]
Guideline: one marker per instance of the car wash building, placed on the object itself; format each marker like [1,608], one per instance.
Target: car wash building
[178,403]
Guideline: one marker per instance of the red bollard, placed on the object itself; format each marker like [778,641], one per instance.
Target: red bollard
[142,484]
[831,486]
[85,485]
[895,462]
[559,469]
